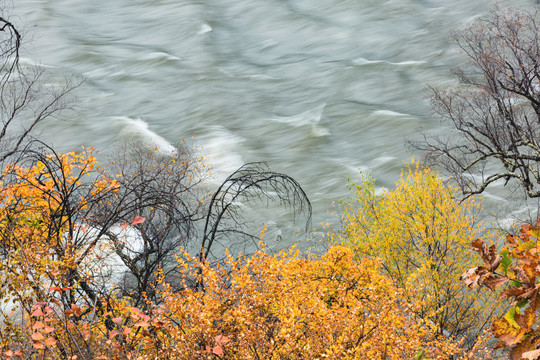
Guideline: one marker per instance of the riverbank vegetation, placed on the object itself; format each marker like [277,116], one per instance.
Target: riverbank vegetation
[141,258]
[86,278]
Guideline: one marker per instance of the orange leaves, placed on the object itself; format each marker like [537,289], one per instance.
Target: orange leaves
[284,306]
[37,336]
[50,342]
[37,325]
[76,310]
[218,349]
[40,342]
[136,220]
[142,323]
[220,339]
[38,312]
[484,274]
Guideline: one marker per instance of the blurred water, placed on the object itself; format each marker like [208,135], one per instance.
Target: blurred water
[319,89]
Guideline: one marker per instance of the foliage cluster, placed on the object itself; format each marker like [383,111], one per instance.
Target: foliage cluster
[421,233]
[515,268]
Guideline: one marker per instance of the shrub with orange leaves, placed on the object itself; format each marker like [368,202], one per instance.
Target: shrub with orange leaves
[287,307]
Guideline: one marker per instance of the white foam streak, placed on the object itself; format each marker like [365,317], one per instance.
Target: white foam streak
[159,55]
[389,113]
[32,62]
[309,117]
[141,128]
[363,61]
[221,149]
[205,28]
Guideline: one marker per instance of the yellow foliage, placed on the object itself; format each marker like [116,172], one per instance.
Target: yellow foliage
[422,235]
[38,227]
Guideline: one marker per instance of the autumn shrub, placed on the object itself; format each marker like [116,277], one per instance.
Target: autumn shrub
[287,307]
[421,232]
[263,307]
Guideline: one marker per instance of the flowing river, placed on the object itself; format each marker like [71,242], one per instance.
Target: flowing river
[318,89]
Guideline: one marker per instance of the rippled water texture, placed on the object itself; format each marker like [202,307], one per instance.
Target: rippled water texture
[319,89]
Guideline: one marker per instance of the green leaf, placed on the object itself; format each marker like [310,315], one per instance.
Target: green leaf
[510,316]
[521,303]
[515,284]
[506,260]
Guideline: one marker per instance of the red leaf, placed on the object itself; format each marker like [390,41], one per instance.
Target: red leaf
[124,225]
[55,288]
[76,309]
[217,350]
[50,342]
[220,339]
[114,333]
[142,323]
[38,325]
[137,220]
[117,320]
[38,312]
[37,336]
[38,345]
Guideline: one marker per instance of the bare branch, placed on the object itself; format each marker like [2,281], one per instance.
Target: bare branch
[495,110]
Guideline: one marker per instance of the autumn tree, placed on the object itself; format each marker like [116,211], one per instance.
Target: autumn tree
[421,233]
[495,107]
[89,243]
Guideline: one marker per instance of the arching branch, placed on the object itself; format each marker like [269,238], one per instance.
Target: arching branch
[251,183]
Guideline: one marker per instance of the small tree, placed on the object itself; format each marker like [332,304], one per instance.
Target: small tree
[495,108]
[422,234]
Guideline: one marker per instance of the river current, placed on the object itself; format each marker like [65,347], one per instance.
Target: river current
[320,90]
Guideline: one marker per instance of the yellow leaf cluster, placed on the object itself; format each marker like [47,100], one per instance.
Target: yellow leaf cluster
[422,235]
